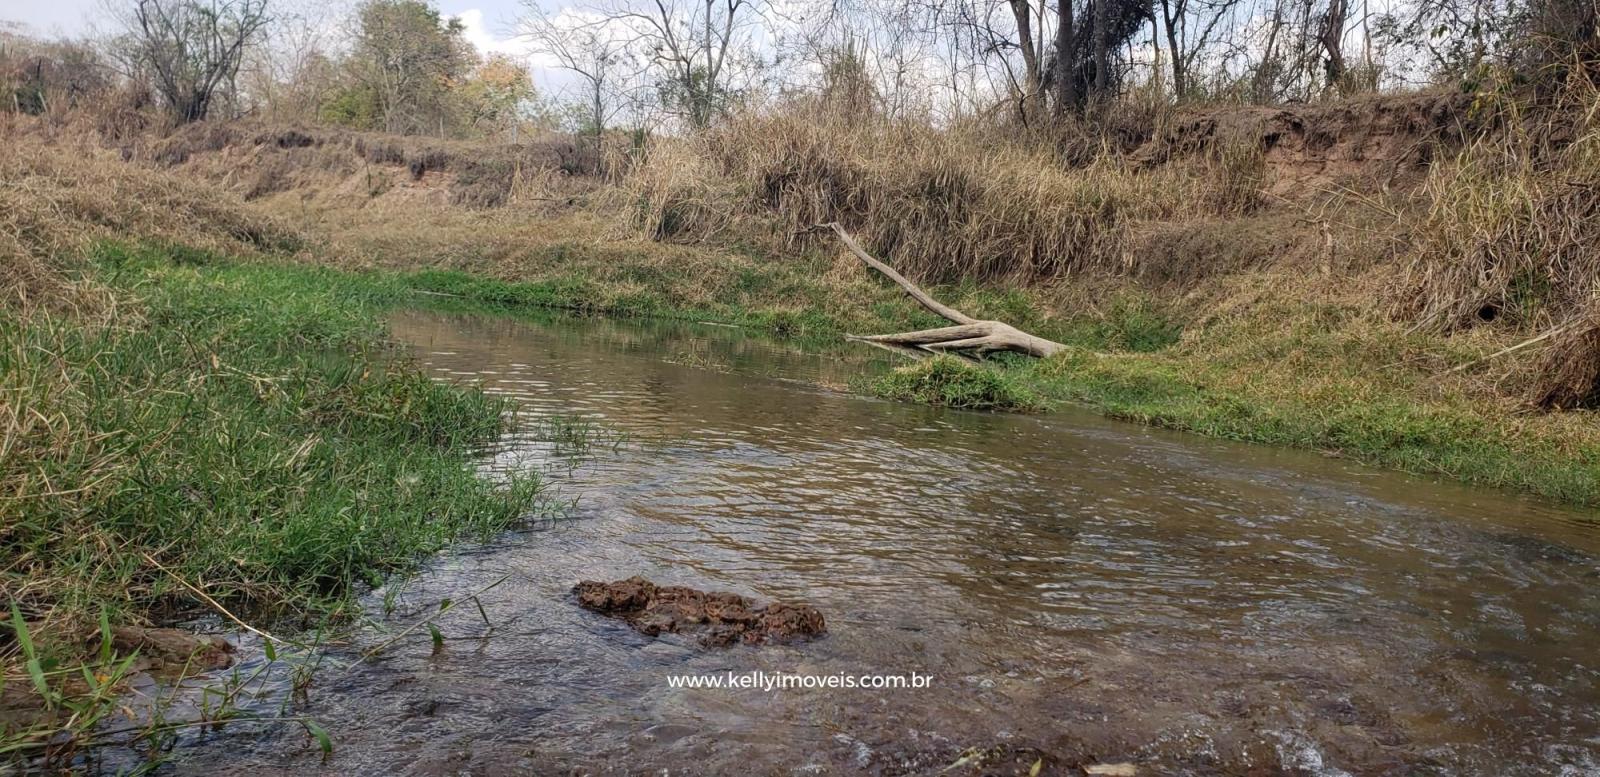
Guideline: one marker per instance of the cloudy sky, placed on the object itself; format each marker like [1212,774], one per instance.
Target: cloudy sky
[489,26]
[488,21]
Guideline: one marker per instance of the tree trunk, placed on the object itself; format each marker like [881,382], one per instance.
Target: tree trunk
[1332,39]
[1101,55]
[1066,54]
[1172,15]
[1031,91]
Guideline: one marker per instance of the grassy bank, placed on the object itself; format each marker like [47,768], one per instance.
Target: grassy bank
[240,429]
[1361,417]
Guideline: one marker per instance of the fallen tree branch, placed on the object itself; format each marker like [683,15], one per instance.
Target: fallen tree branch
[969,338]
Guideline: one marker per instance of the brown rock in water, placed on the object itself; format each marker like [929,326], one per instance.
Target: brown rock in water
[730,608]
[722,618]
[622,596]
[781,622]
[173,648]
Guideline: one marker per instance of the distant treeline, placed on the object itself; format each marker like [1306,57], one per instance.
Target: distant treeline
[401,66]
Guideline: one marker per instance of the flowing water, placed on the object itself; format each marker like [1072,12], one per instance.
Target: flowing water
[1079,590]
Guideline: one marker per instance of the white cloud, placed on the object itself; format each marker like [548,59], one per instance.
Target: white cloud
[546,72]
[477,32]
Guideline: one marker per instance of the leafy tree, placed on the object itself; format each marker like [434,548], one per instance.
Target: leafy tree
[497,95]
[351,106]
[409,59]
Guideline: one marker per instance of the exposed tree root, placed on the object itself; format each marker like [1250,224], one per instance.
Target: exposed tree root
[969,338]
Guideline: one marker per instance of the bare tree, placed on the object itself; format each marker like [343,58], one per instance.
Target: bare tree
[293,71]
[588,48]
[1189,31]
[691,41]
[192,48]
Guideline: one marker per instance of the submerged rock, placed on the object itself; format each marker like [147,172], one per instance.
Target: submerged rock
[722,618]
[173,648]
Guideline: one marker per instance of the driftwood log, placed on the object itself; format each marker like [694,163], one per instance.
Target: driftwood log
[969,337]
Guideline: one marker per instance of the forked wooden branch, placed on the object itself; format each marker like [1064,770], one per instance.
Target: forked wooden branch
[969,337]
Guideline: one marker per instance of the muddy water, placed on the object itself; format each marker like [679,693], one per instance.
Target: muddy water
[1080,591]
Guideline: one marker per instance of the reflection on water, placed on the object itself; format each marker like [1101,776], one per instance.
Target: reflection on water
[1085,588]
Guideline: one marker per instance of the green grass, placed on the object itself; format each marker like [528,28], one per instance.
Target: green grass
[585,296]
[1308,380]
[773,300]
[1329,410]
[240,428]
[950,382]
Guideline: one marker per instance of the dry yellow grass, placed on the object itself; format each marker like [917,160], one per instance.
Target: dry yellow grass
[1507,227]
[945,204]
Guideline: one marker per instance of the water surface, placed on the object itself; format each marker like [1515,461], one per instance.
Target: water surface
[1079,589]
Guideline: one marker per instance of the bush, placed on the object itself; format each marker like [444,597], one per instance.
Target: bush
[1132,324]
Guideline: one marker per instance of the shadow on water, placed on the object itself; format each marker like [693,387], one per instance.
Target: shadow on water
[1076,587]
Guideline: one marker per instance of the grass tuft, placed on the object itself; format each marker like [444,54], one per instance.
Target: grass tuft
[951,382]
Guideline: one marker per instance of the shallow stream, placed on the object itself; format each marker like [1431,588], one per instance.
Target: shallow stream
[1079,590]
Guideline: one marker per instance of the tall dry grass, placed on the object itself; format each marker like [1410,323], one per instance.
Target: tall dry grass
[258,160]
[944,204]
[1508,228]
[1508,235]
[59,199]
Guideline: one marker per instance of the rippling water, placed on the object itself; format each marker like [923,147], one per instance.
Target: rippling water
[1080,590]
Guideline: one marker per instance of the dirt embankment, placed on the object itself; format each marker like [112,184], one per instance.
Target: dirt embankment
[1425,211]
[1302,151]
[1309,190]
[1312,149]
[259,160]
